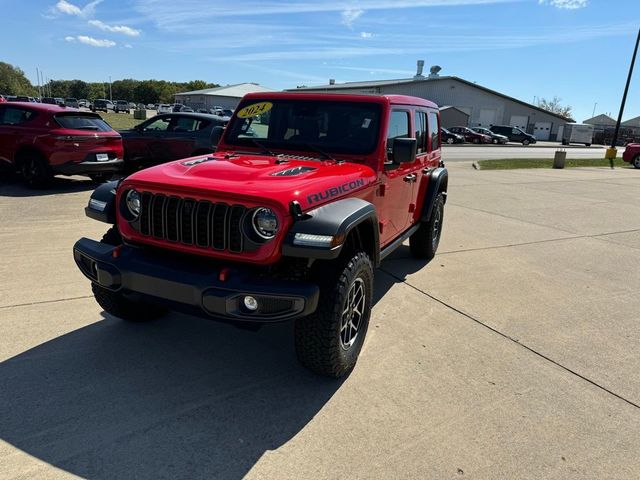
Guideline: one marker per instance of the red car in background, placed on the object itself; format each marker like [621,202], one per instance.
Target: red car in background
[471,136]
[632,154]
[41,140]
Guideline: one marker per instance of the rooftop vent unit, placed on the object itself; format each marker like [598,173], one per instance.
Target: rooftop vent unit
[434,70]
[419,75]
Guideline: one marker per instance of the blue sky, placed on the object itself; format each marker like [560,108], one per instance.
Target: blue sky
[578,50]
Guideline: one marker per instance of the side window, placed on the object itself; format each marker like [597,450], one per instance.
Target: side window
[16,116]
[398,128]
[420,127]
[434,132]
[185,124]
[515,131]
[160,124]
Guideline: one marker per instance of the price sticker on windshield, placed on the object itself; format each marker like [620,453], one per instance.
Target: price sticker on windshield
[255,109]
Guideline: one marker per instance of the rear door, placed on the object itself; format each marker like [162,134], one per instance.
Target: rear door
[14,127]
[432,160]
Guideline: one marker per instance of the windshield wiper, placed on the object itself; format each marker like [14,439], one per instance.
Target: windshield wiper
[261,145]
[313,147]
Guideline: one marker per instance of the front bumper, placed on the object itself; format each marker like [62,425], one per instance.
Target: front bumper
[205,290]
[85,168]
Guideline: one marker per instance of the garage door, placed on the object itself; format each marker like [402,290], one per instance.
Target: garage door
[488,117]
[542,130]
[519,121]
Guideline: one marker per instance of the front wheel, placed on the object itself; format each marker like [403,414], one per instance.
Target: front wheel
[122,307]
[494,141]
[525,142]
[450,141]
[424,242]
[476,140]
[329,340]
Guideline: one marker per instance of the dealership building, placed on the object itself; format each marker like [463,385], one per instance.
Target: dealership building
[226,97]
[481,106]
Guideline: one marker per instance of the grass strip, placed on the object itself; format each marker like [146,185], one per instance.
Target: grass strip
[513,163]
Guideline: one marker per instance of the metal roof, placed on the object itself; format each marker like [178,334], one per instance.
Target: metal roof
[600,120]
[632,122]
[401,81]
[238,90]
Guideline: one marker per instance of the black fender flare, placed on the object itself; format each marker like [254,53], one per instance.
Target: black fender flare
[102,204]
[438,182]
[337,220]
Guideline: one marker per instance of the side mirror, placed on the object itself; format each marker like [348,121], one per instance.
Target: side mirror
[404,150]
[216,135]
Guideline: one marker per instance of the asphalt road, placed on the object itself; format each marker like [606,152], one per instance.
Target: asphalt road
[513,354]
[454,153]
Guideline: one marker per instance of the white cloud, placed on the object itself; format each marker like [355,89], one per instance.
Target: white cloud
[128,45]
[132,32]
[94,42]
[350,15]
[70,9]
[70,39]
[566,4]
[366,34]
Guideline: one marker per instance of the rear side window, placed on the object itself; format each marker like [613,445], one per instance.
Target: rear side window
[15,116]
[83,122]
[433,131]
[185,124]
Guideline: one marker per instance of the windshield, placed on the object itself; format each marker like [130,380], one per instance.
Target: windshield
[336,127]
[83,122]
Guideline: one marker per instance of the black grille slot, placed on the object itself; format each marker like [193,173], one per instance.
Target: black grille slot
[172,219]
[202,224]
[219,226]
[145,213]
[235,228]
[186,221]
[192,222]
[157,216]
[270,306]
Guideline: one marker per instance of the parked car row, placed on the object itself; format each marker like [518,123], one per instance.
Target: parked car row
[40,140]
[496,134]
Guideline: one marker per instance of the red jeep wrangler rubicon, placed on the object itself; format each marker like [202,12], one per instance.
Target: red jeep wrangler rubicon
[287,220]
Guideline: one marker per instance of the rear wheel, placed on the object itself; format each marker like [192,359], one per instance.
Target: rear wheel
[424,242]
[476,140]
[329,341]
[35,171]
[450,140]
[526,142]
[495,140]
[100,177]
[636,161]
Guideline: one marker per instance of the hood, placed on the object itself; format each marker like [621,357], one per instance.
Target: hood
[257,178]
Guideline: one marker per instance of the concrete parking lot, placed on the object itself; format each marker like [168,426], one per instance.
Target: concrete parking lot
[513,354]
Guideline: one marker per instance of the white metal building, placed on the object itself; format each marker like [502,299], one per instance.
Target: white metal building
[226,97]
[484,106]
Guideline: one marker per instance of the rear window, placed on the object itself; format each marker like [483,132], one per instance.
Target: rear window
[83,122]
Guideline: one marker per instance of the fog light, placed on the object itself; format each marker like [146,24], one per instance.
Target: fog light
[251,303]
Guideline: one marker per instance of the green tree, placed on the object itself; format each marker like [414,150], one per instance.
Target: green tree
[14,82]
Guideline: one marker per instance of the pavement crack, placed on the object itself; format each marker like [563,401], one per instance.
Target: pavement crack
[516,341]
[45,301]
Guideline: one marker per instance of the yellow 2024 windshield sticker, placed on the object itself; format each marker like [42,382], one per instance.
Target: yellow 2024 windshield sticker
[255,109]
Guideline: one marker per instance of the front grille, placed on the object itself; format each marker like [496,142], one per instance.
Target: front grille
[192,222]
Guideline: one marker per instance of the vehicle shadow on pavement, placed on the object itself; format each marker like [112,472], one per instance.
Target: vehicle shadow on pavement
[12,186]
[177,398]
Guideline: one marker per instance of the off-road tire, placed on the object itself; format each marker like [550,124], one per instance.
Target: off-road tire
[424,242]
[35,171]
[636,161]
[122,307]
[319,337]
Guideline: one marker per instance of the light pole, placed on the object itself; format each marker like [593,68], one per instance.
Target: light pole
[110,96]
[594,109]
[612,152]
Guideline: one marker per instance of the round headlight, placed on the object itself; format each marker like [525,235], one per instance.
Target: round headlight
[265,223]
[132,200]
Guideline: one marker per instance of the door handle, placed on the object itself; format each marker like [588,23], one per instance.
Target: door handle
[410,178]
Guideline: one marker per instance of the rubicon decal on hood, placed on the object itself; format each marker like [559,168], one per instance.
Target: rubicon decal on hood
[334,191]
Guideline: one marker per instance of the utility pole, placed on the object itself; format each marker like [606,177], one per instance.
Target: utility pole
[612,152]
[110,95]
[38,79]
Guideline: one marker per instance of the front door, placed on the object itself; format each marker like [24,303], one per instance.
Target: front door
[397,182]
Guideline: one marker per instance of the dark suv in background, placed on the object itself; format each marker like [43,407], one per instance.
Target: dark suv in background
[101,104]
[170,136]
[513,134]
